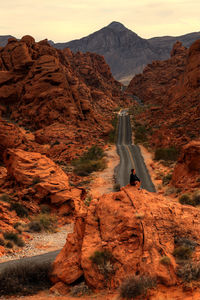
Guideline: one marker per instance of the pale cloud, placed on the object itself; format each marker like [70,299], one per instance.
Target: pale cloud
[63,20]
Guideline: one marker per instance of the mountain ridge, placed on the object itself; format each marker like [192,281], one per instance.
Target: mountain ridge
[131,52]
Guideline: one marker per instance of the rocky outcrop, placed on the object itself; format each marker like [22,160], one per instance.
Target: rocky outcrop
[186,173]
[171,90]
[137,228]
[41,87]
[127,53]
[41,180]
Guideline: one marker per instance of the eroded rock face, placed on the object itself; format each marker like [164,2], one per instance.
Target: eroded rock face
[44,178]
[172,90]
[42,86]
[138,228]
[187,170]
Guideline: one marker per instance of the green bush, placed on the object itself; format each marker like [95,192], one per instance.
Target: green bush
[104,261]
[91,161]
[44,222]
[167,154]
[87,200]
[9,245]
[196,198]
[45,209]
[14,237]
[183,252]
[166,179]
[186,199]
[2,242]
[25,278]
[165,260]
[35,226]
[140,133]
[112,136]
[135,286]
[5,198]
[21,211]
[80,290]
[189,271]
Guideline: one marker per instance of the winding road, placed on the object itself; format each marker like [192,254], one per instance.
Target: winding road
[130,156]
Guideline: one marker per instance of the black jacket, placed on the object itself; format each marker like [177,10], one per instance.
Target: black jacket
[133,179]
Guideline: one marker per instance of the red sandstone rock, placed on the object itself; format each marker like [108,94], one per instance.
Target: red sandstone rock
[138,228]
[44,86]
[186,173]
[173,87]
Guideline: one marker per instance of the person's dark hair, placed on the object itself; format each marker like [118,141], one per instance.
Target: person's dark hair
[132,170]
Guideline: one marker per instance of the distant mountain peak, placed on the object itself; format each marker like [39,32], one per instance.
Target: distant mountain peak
[116,25]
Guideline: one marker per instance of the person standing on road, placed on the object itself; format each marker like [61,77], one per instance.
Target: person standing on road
[134,179]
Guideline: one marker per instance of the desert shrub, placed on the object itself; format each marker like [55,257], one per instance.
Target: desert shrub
[9,244]
[112,136]
[189,271]
[116,187]
[186,199]
[36,180]
[170,190]
[140,133]
[104,261]
[166,154]
[80,290]
[166,179]
[35,226]
[182,252]
[45,209]
[165,260]
[135,286]
[44,222]
[184,241]
[196,198]
[94,153]
[12,236]
[5,198]
[91,161]
[25,278]
[87,200]
[21,211]
[2,242]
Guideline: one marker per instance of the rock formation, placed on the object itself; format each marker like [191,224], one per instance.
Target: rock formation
[50,91]
[137,228]
[186,173]
[171,90]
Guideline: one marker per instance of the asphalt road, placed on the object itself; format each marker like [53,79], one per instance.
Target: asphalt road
[130,156]
[38,259]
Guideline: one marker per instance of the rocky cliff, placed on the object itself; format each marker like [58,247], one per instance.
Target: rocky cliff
[170,89]
[59,95]
[137,229]
[127,53]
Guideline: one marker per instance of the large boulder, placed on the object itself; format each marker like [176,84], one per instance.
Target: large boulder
[50,182]
[137,228]
[186,172]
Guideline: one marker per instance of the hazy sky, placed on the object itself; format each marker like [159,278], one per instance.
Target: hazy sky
[65,20]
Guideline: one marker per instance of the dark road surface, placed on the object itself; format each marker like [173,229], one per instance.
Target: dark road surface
[130,156]
[38,259]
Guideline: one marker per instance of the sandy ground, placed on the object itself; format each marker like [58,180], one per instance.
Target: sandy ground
[41,243]
[102,182]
